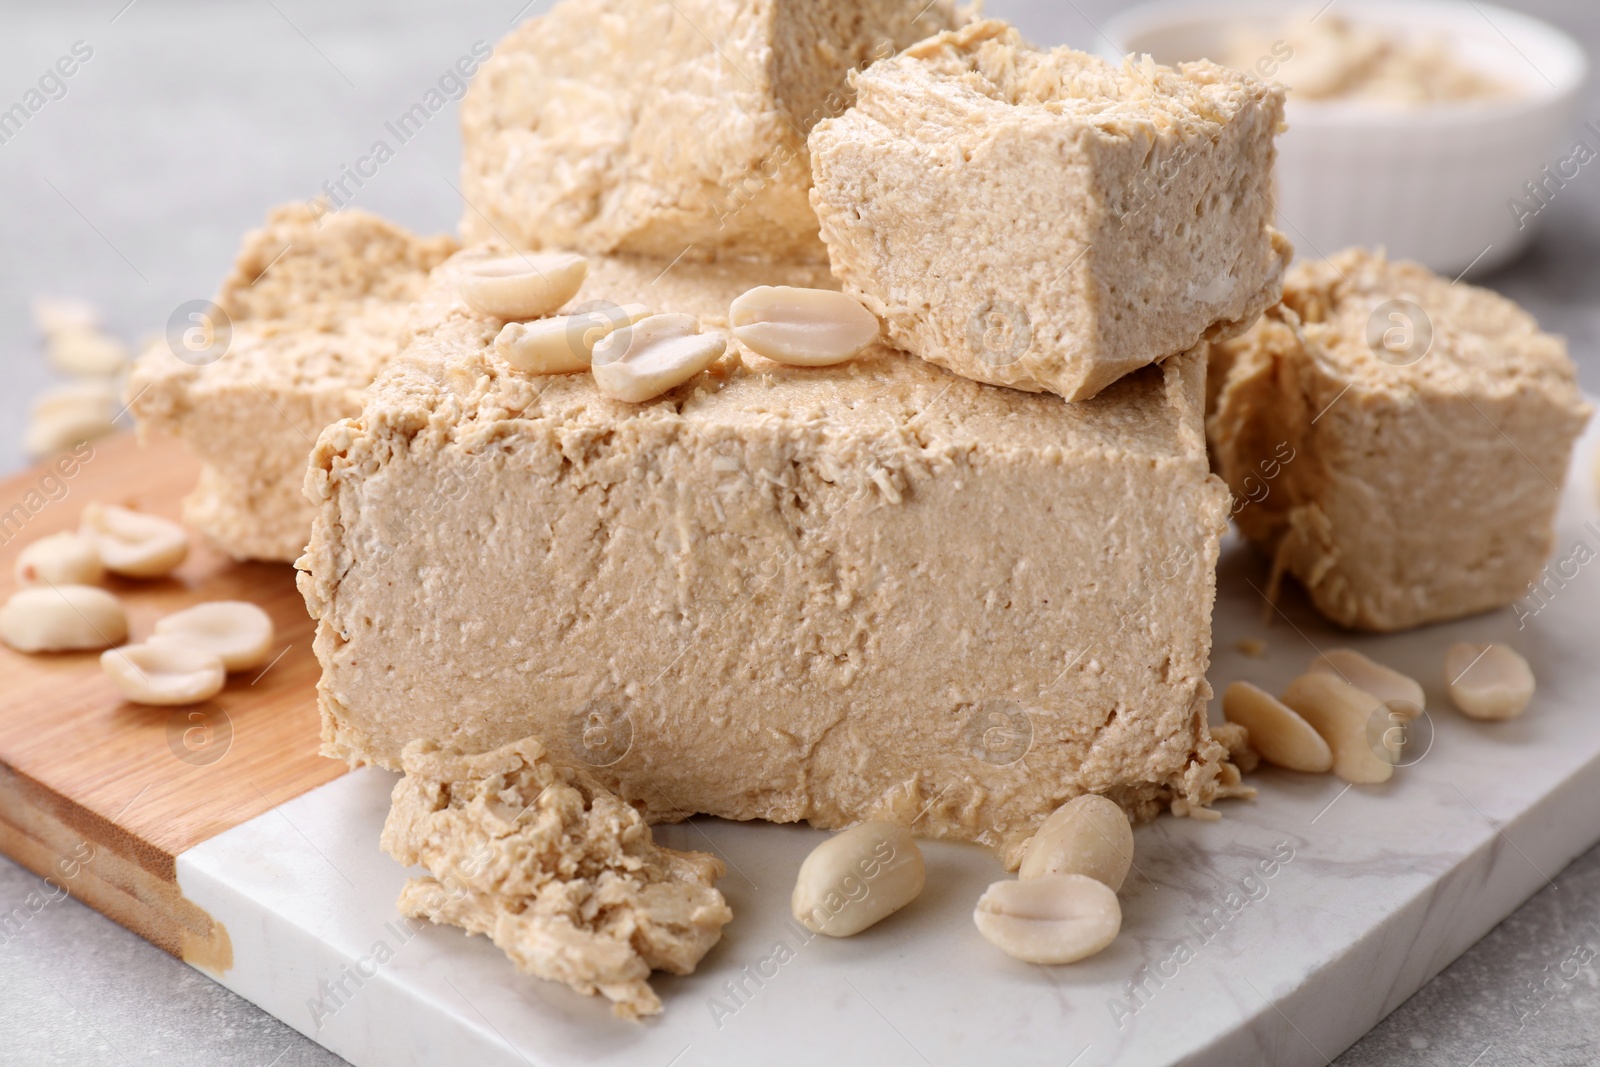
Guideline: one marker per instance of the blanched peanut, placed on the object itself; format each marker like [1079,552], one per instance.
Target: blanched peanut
[1087,835]
[1277,731]
[66,618]
[237,633]
[68,414]
[60,559]
[658,354]
[58,315]
[522,287]
[1341,713]
[133,544]
[1402,693]
[48,434]
[163,674]
[88,353]
[857,878]
[563,344]
[1488,682]
[90,398]
[1061,918]
[803,327]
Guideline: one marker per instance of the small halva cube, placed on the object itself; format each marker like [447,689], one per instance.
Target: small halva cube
[1397,441]
[1046,220]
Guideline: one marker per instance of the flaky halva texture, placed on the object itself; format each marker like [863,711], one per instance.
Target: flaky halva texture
[1396,441]
[1047,220]
[560,874]
[318,303]
[875,590]
[639,127]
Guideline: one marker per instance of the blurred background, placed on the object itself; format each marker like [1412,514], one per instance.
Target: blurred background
[189,119]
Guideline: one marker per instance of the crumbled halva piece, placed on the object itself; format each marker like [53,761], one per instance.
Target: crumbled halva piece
[318,303]
[870,590]
[644,128]
[1396,441]
[560,874]
[1045,220]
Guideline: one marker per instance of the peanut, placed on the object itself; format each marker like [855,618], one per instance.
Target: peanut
[1400,692]
[658,354]
[1278,732]
[237,633]
[89,398]
[857,878]
[521,287]
[58,431]
[58,315]
[803,327]
[1060,918]
[87,354]
[563,344]
[60,559]
[1488,682]
[1340,713]
[63,618]
[133,544]
[164,674]
[1087,835]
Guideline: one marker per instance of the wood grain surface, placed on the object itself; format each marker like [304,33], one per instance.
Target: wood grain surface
[101,796]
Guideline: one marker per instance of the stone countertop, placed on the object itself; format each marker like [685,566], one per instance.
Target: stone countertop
[191,118]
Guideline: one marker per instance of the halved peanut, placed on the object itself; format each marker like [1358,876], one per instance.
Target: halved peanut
[857,878]
[658,354]
[1060,918]
[1087,835]
[1488,682]
[238,633]
[803,327]
[1278,732]
[563,344]
[526,286]
[60,559]
[164,675]
[63,618]
[133,544]
[88,353]
[1401,692]
[1341,713]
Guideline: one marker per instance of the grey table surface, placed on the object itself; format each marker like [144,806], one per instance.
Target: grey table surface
[192,118]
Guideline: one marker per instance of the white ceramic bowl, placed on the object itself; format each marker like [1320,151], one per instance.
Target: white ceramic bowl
[1436,183]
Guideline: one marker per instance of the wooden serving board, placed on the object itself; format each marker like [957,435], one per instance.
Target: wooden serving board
[103,796]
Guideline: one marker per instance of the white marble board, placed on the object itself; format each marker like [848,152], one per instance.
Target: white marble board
[1370,892]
